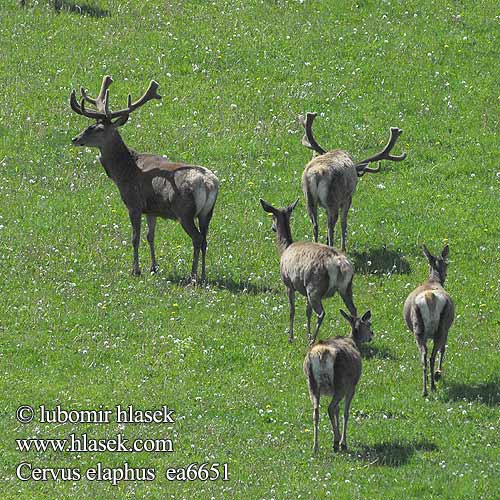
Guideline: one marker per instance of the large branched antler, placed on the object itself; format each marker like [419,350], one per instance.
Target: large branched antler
[101,102]
[308,139]
[362,166]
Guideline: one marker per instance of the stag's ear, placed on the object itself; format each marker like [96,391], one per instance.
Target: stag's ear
[347,317]
[367,316]
[121,120]
[445,252]
[292,206]
[428,254]
[267,206]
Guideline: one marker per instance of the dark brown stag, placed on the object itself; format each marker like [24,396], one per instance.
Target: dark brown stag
[148,184]
[330,179]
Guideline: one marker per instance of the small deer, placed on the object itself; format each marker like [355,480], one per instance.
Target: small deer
[429,313]
[330,179]
[314,270]
[148,184]
[333,368]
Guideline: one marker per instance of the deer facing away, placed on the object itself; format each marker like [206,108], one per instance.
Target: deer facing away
[148,184]
[333,368]
[314,270]
[329,180]
[429,313]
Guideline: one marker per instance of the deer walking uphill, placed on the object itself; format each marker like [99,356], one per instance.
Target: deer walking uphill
[329,180]
[429,313]
[314,270]
[148,184]
[333,368]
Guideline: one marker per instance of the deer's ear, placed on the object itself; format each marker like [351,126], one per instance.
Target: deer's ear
[292,206]
[267,206]
[429,256]
[367,316]
[121,120]
[346,316]
[445,252]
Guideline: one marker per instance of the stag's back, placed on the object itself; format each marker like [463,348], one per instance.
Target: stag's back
[330,178]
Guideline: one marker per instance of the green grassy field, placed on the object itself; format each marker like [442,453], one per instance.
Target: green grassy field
[79,331]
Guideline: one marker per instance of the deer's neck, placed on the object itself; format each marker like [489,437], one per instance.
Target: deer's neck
[118,161]
[283,237]
[435,277]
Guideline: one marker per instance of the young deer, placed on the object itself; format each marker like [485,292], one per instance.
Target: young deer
[333,368]
[330,179]
[148,184]
[429,313]
[314,270]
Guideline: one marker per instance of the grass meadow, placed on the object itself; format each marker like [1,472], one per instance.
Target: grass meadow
[78,330]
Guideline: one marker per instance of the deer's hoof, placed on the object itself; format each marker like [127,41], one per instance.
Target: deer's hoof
[343,446]
[437,375]
[136,272]
[154,269]
[335,446]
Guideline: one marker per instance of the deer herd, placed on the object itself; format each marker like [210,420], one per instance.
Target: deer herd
[152,185]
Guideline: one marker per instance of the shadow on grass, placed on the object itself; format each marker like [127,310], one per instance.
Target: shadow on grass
[83,9]
[374,352]
[393,454]
[380,261]
[487,393]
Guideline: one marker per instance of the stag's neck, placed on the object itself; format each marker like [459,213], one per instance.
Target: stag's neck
[119,161]
[283,238]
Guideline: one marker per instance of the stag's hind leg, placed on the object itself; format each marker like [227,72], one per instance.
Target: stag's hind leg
[204,222]
[343,221]
[190,227]
[312,210]
[346,295]
[151,220]
[333,215]
[333,413]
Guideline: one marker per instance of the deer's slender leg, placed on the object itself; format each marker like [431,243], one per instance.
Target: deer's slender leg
[315,300]
[343,221]
[291,300]
[308,314]
[435,349]
[347,405]
[190,227]
[204,222]
[316,423]
[312,209]
[333,413]
[135,220]
[347,298]
[151,220]
[423,354]
[437,375]
[333,215]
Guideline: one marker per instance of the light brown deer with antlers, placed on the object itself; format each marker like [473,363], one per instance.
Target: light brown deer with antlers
[148,184]
[329,180]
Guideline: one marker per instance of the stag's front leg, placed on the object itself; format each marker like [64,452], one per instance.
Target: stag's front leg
[135,220]
[151,220]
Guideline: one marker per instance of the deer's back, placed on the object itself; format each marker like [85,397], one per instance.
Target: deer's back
[170,187]
[330,179]
[428,305]
[307,264]
[335,364]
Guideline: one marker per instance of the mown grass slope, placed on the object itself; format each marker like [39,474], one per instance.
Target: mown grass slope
[78,330]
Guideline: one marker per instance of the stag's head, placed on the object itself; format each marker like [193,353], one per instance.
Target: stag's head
[438,266]
[102,131]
